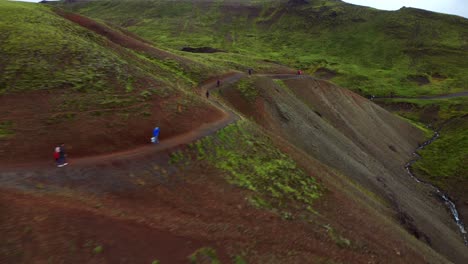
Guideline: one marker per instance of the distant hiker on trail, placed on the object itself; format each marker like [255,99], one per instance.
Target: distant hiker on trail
[62,160]
[218,83]
[207,93]
[250,71]
[299,72]
[155,138]
[57,155]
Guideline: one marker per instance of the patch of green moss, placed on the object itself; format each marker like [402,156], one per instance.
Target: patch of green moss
[6,129]
[204,255]
[338,239]
[251,161]
[239,260]
[98,250]
[247,88]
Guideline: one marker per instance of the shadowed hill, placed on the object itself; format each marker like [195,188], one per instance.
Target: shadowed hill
[405,52]
[362,140]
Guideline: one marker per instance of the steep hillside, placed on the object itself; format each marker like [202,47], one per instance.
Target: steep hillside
[362,140]
[406,52]
[60,82]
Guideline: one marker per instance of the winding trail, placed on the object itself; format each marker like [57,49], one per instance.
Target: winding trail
[206,129]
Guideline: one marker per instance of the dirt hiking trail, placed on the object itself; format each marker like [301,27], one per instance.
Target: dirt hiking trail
[205,129]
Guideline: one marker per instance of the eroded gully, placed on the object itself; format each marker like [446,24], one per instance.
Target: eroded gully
[447,201]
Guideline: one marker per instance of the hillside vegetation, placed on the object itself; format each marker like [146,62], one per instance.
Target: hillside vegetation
[87,87]
[349,133]
[269,168]
[406,52]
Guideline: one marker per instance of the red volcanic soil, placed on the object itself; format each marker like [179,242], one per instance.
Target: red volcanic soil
[46,229]
[168,221]
[90,132]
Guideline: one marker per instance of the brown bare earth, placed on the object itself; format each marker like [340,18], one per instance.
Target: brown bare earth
[139,210]
[39,126]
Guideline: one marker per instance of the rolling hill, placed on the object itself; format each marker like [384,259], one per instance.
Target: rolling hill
[86,86]
[406,52]
[271,167]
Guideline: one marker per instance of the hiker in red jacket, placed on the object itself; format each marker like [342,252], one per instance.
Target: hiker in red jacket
[57,155]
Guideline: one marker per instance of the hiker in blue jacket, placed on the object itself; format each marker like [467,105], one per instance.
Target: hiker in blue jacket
[155,138]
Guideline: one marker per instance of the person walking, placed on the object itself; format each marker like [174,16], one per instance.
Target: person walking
[218,83]
[62,161]
[250,71]
[57,155]
[155,138]
[207,93]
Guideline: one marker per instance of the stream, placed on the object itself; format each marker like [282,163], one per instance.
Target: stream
[447,201]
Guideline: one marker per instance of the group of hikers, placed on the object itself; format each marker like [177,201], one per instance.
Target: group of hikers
[61,157]
[218,83]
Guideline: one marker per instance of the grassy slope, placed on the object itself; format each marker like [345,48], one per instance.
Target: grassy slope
[448,169]
[372,51]
[251,161]
[85,84]
[39,50]
[451,115]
